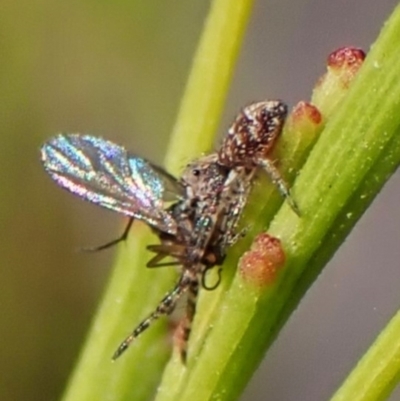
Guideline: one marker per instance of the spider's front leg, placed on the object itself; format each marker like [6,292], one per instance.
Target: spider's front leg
[274,174]
[165,307]
[186,326]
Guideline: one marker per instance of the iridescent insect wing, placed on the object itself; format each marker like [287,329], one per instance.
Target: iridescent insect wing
[106,174]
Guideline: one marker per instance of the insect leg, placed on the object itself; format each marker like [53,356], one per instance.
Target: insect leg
[268,166]
[155,262]
[164,250]
[116,241]
[165,307]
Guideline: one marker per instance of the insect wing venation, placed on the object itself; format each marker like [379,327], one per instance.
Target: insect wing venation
[106,174]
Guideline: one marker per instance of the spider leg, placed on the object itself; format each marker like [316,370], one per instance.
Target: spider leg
[273,172]
[165,307]
[193,291]
[110,244]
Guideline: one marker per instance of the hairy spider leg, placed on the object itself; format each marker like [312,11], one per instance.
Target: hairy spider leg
[274,174]
[165,307]
[191,303]
[204,229]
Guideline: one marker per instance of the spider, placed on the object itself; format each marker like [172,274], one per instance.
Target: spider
[205,204]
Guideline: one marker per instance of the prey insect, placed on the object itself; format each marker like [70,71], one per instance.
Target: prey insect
[196,217]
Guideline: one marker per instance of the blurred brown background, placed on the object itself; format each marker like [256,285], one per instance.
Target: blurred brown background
[117,69]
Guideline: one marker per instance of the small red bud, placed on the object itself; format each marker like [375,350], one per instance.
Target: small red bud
[261,264]
[342,67]
[346,61]
[305,113]
[346,57]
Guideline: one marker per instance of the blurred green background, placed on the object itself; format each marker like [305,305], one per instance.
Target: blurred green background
[117,69]
[111,68]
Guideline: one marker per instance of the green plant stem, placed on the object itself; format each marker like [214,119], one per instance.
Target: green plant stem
[296,145]
[346,157]
[378,372]
[346,220]
[134,291]
[209,79]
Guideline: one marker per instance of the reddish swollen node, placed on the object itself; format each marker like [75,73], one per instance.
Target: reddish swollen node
[304,110]
[261,264]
